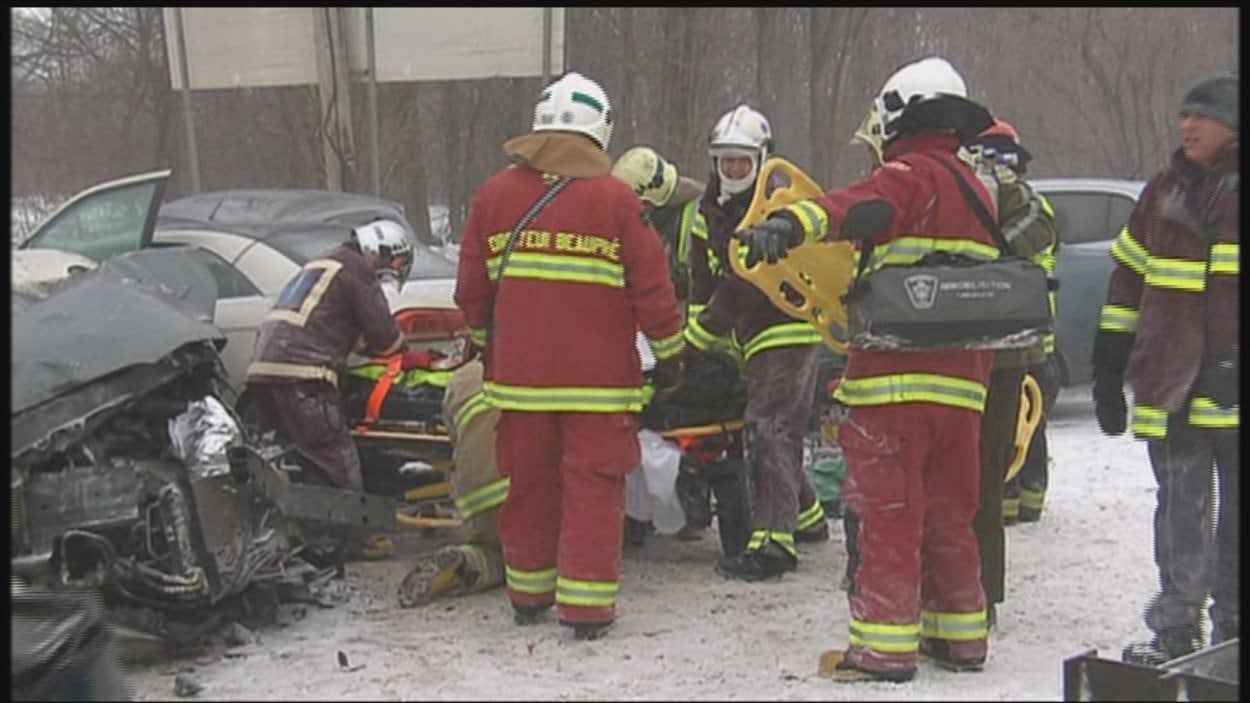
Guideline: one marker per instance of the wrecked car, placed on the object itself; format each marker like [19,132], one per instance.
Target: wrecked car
[130,471]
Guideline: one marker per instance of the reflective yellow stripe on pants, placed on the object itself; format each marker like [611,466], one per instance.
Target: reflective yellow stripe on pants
[535,582]
[954,626]
[887,639]
[489,496]
[588,594]
[785,540]
[812,516]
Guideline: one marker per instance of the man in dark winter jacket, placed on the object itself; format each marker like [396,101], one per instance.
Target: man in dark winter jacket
[1170,329]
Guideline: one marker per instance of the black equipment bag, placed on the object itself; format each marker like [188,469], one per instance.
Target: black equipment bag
[947,301]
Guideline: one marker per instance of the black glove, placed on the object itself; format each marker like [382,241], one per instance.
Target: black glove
[669,374]
[1109,405]
[768,241]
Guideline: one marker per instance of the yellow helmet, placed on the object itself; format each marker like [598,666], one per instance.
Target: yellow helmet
[651,176]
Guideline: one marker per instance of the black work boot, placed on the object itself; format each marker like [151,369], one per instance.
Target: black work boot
[939,652]
[588,630]
[816,533]
[1167,644]
[528,614]
[757,564]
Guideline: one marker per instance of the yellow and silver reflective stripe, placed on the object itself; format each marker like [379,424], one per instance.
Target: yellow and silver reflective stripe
[958,627]
[692,225]
[812,516]
[1011,508]
[571,399]
[1204,412]
[560,267]
[481,562]
[1033,500]
[489,496]
[785,540]
[811,217]
[1177,274]
[700,338]
[912,388]
[909,249]
[698,227]
[1046,207]
[474,406]
[889,639]
[537,582]
[1118,318]
[304,371]
[478,335]
[1150,422]
[1126,250]
[1225,258]
[588,594]
[784,334]
[667,346]
[693,309]
[1046,259]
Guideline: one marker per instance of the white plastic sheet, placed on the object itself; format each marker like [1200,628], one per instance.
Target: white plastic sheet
[651,490]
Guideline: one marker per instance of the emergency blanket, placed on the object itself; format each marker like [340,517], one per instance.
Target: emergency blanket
[651,490]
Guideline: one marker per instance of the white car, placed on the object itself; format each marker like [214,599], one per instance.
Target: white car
[253,242]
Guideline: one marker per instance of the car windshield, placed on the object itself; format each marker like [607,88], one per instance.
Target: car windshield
[307,243]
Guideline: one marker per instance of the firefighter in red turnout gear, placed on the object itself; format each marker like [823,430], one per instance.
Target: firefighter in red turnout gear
[558,327]
[912,437]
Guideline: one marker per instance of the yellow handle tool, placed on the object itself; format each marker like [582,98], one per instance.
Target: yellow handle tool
[1026,424]
[810,282]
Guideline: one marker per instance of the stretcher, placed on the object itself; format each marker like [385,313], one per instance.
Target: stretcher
[430,506]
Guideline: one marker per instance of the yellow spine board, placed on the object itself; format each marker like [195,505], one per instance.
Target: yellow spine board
[810,282]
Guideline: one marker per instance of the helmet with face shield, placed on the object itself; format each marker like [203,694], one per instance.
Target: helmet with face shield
[389,242]
[742,132]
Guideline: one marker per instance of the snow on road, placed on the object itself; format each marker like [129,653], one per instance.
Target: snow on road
[1076,581]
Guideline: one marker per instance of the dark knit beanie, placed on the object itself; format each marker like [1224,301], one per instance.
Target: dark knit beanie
[1215,97]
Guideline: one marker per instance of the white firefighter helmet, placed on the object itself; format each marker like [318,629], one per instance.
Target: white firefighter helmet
[388,240]
[743,131]
[920,81]
[575,103]
[651,176]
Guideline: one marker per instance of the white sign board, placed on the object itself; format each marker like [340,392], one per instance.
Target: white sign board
[442,43]
[237,47]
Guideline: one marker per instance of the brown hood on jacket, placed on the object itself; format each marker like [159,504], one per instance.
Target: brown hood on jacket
[567,154]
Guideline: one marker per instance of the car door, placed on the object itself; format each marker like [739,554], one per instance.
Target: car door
[1089,221]
[104,220]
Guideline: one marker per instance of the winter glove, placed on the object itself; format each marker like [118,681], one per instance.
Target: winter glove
[768,241]
[1109,405]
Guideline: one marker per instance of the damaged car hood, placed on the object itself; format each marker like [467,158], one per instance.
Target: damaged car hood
[104,336]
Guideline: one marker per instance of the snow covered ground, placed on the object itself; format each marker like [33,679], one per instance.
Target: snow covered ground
[1076,581]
